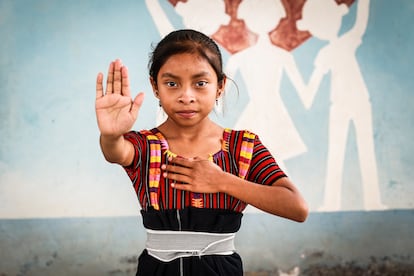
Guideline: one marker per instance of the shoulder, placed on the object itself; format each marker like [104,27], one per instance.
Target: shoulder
[141,136]
[231,134]
[142,145]
[238,132]
[246,142]
[238,139]
[141,133]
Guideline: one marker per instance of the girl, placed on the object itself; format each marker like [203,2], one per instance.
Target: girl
[193,178]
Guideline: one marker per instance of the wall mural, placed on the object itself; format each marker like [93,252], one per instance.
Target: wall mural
[325,84]
[267,43]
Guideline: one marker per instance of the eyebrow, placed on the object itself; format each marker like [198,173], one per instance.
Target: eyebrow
[198,75]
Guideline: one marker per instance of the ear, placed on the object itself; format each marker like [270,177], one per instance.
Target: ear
[154,87]
[221,86]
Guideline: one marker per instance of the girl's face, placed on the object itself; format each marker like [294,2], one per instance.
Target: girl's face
[187,88]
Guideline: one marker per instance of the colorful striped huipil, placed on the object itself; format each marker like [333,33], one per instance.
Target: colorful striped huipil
[166,208]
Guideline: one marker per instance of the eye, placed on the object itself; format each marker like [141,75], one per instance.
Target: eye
[171,84]
[201,83]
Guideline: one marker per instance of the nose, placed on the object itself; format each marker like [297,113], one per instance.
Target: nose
[187,95]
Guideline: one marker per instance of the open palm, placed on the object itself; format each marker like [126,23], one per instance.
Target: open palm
[116,112]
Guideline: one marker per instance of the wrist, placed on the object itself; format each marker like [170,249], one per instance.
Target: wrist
[116,149]
[225,182]
[109,138]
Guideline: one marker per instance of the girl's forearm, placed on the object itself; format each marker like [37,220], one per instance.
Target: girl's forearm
[281,198]
[116,149]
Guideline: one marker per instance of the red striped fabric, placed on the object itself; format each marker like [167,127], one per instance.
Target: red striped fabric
[262,169]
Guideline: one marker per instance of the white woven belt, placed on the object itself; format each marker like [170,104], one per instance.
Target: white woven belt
[169,245]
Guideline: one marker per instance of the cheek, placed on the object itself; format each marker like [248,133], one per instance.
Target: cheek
[211,100]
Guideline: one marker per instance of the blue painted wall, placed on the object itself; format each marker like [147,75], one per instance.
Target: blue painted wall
[110,246]
[74,212]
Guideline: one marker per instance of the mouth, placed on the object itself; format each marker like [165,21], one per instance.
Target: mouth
[186,113]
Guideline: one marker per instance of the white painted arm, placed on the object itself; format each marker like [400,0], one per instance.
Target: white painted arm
[297,80]
[161,20]
[313,86]
[361,21]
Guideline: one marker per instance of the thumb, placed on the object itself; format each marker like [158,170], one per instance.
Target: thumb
[136,104]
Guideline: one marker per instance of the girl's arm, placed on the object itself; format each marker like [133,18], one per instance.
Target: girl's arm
[203,176]
[117,150]
[281,199]
[116,113]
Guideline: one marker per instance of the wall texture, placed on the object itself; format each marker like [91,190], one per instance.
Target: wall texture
[346,143]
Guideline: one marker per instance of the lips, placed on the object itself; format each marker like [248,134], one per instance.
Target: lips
[186,113]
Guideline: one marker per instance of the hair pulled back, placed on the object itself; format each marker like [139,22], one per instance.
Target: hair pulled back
[186,41]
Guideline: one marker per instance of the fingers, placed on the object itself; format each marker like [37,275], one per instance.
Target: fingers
[99,86]
[180,162]
[110,79]
[117,80]
[125,82]
[176,178]
[180,169]
[190,174]
[117,77]
[176,171]
[175,168]
[179,186]
[136,105]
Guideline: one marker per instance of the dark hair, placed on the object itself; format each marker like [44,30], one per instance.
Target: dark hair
[186,41]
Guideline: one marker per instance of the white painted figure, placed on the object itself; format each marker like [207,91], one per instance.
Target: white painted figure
[349,97]
[261,67]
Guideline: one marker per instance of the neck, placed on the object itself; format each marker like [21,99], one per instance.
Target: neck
[202,140]
[188,133]
[264,38]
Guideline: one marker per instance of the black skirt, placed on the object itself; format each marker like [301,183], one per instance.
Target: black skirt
[198,220]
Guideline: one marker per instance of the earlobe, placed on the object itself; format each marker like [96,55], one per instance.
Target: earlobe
[223,82]
[221,86]
[154,87]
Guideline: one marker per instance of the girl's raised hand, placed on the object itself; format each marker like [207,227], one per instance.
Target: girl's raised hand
[116,112]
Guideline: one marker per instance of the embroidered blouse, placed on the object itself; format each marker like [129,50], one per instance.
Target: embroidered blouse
[242,154]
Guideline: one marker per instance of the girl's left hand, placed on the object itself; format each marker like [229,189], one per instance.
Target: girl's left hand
[194,174]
